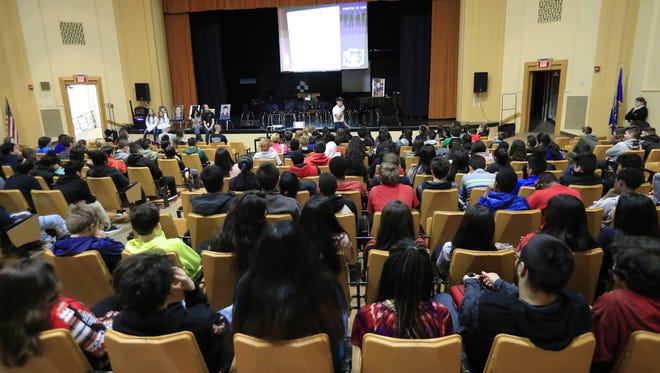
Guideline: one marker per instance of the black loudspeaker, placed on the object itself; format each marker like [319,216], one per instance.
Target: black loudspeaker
[142,92]
[480,82]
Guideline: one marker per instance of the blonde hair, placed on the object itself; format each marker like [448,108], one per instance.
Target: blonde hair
[304,140]
[298,134]
[275,138]
[264,144]
[80,216]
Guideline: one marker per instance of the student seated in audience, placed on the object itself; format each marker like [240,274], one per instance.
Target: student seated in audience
[112,162]
[276,146]
[8,155]
[65,145]
[318,220]
[187,173]
[145,220]
[477,177]
[649,141]
[396,224]
[43,144]
[194,149]
[75,190]
[630,142]
[517,151]
[47,167]
[354,158]
[328,189]
[300,168]
[633,305]
[627,181]
[501,160]
[403,308]
[82,220]
[122,152]
[475,232]
[180,138]
[587,139]
[217,136]
[583,172]
[553,152]
[536,164]
[246,179]
[479,148]
[539,308]
[24,181]
[531,143]
[390,189]
[305,146]
[242,228]
[227,166]
[288,293]
[392,158]
[145,143]
[267,152]
[440,170]
[268,178]
[30,303]
[101,169]
[59,147]
[499,196]
[547,186]
[426,155]
[318,157]
[144,281]
[52,222]
[338,167]
[566,219]
[289,185]
[138,159]
[454,132]
[214,201]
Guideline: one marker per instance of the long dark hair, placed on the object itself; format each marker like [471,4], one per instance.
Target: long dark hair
[396,223]
[545,140]
[476,230]
[636,216]
[223,161]
[27,288]
[320,224]
[426,155]
[408,280]
[566,219]
[287,293]
[244,223]
[517,151]
[355,156]
[460,163]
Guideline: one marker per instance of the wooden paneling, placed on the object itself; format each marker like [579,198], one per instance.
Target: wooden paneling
[443,79]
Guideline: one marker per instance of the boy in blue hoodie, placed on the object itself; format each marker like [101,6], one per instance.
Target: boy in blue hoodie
[500,195]
[86,234]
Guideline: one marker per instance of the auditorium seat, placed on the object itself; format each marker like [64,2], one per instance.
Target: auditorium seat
[518,165]
[186,206]
[382,354]
[49,202]
[599,151]
[640,353]
[13,201]
[84,276]
[143,176]
[511,353]
[219,278]
[349,224]
[586,271]
[307,354]
[376,222]
[176,352]
[654,156]
[202,228]
[442,227]
[272,218]
[526,191]
[375,263]
[302,197]
[475,194]
[170,167]
[192,161]
[438,200]
[171,226]
[594,220]
[355,197]
[511,226]
[42,182]
[7,171]
[464,261]
[589,193]
[420,179]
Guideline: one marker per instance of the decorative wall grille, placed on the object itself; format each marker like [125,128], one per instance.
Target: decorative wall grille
[549,11]
[72,33]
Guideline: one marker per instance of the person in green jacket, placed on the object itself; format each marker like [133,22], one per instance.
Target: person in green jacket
[192,149]
[145,220]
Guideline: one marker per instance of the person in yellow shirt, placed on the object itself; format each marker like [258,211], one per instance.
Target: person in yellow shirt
[145,220]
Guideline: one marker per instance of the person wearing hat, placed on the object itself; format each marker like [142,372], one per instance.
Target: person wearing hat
[338,114]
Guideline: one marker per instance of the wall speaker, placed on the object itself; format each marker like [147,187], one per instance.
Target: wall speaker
[480,82]
[142,92]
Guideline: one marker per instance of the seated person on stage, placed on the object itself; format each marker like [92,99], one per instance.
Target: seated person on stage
[300,168]
[145,220]
[499,196]
[83,222]
[390,189]
[328,188]
[137,159]
[477,177]
[193,148]
[583,172]
[318,157]
[75,190]
[43,144]
[246,180]
[214,201]
[147,151]
[627,181]
[634,304]
[547,186]
[276,146]
[268,178]
[266,152]
[144,281]
[24,181]
[539,308]
[440,170]
[217,136]
[338,169]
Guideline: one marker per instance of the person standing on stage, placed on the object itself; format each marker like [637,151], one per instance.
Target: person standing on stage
[208,120]
[338,114]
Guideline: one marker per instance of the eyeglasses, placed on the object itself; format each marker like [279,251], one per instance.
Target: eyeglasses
[517,256]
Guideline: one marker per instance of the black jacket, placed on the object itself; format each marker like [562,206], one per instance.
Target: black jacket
[24,183]
[638,115]
[121,181]
[137,160]
[196,317]
[74,189]
[212,203]
[580,179]
[44,171]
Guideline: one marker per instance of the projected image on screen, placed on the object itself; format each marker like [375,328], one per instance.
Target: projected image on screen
[323,38]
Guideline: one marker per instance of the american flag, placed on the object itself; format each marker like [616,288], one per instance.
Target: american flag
[11,126]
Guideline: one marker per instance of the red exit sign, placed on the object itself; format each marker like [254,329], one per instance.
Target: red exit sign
[81,78]
[544,63]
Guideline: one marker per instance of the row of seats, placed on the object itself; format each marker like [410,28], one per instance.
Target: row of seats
[179,352]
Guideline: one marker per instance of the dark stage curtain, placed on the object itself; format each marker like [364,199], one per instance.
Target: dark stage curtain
[415,56]
[206,38]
